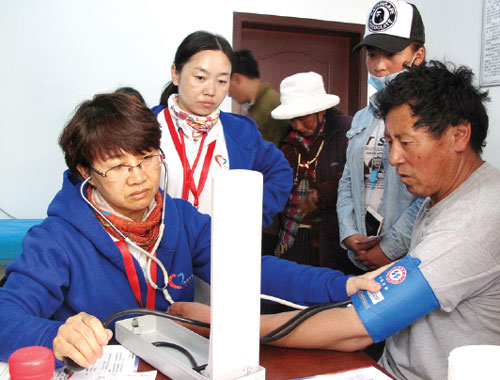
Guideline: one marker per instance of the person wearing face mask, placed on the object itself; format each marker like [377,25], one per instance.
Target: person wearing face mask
[375,211]
[199,139]
[314,145]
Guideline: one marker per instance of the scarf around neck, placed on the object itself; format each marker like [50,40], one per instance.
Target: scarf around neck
[144,233]
[197,124]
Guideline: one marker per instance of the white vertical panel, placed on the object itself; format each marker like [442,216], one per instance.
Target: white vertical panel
[235,274]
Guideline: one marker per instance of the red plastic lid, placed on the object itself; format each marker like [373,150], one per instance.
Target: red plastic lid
[32,363]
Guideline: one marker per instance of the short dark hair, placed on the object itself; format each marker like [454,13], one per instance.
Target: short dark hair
[132,92]
[245,63]
[108,124]
[439,97]
[192,44]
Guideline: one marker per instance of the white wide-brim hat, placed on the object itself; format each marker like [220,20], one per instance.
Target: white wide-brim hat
[303,94]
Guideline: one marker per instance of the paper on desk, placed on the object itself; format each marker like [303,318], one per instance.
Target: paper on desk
[368,373]
[116,363]
[4,371]
[150,375]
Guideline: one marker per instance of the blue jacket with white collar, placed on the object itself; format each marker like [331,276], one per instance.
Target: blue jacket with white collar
[70,264]
[247,150]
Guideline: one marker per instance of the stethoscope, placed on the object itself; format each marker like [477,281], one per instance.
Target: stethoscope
[127,240]
[160,235]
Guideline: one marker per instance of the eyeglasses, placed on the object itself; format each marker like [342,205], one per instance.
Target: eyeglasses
[119,172]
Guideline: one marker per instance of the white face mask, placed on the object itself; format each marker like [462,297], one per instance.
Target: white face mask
[380,82]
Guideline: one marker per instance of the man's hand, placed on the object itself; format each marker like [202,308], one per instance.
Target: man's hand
[373,258]
[367,250]
[81,338]
[360,243]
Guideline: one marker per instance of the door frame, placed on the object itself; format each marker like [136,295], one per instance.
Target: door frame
[357,84]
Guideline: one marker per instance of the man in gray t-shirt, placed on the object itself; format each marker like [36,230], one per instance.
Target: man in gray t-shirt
[455,239]
[435,126]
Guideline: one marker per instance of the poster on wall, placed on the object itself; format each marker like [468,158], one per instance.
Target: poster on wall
[490,44]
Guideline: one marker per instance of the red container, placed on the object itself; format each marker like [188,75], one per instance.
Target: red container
[32,363]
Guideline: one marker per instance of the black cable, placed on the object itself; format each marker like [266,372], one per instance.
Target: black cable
[276,334]
[71,366]
[192,360]
[200,368]
[298,319]
[157,313]
[292,324]
[291,320]
[179,348]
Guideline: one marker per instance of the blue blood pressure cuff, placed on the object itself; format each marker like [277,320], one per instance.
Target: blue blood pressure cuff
[405,296]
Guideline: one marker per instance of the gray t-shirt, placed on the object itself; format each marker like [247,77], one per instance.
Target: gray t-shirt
[458,241]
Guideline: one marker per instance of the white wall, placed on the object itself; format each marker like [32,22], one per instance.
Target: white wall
[56,53]
[453,33]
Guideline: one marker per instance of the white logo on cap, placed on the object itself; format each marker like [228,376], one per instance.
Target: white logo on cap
[382,16]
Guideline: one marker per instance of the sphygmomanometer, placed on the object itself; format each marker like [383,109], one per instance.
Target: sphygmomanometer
[405,296]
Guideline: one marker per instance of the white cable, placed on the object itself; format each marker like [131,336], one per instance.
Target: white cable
[6,213]
[282,302]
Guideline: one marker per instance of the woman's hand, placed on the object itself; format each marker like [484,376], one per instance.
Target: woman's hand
[192,310]
[365,281]
[81,338]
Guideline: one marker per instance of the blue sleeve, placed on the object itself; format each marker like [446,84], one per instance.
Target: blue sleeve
[197,226]
[247,150]
[302,284]
[278,178]
[396,241]
[32,294]
[157,109]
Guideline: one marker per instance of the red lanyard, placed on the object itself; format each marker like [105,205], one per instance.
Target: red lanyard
[133,279]
[187,170]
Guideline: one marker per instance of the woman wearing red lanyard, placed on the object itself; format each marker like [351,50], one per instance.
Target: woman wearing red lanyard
[199,139]
[113,241]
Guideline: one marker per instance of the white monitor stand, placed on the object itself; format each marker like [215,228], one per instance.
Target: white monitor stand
[233,349]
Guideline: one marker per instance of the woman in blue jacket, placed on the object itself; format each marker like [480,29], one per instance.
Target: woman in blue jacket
[199,139]
[113,241]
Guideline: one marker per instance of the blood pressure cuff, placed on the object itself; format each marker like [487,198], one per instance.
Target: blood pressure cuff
[405,296]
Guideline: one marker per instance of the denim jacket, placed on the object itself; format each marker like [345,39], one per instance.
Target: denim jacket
[398,206]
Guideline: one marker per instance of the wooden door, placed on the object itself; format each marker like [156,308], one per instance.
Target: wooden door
[284,46]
